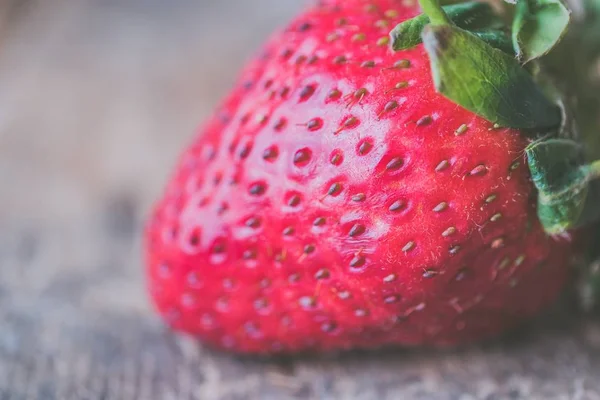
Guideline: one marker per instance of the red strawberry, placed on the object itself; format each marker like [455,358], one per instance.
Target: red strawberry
[335,200]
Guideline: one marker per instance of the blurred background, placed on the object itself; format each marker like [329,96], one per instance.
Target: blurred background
[97,99]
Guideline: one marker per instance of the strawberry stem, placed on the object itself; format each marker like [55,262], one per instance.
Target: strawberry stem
[435,12]
[593,170]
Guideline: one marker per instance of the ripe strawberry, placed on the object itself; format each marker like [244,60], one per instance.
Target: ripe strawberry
[335,200]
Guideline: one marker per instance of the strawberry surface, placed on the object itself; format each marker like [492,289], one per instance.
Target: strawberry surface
[335,200]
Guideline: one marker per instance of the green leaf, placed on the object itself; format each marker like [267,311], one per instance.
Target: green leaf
[470,15]
[553,163]
[487,81]
[568,192]
[497,39]
[538,26]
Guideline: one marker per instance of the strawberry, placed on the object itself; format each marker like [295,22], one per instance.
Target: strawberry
[337,200]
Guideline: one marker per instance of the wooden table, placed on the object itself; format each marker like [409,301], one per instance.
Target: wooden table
[97,97]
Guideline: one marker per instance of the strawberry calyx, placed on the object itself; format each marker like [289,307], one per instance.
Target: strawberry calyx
[476,65]
[488,82]
[476,17]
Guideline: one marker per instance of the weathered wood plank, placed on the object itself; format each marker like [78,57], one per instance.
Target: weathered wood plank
[105,356]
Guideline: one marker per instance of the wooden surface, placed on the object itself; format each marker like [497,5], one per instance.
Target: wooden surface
[97,97]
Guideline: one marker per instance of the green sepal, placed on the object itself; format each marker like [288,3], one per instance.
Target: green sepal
[568,192]
[487,81]
[470,15]
[497,39]
[538,26]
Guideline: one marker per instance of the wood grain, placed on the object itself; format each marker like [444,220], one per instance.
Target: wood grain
[97,97]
